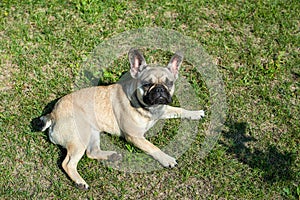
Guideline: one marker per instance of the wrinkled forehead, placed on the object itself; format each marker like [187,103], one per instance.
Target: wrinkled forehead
[157,75]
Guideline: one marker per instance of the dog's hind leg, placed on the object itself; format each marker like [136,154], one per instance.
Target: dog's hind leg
[94,152]
[74,154]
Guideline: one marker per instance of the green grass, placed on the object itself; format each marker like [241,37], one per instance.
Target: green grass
[256,47]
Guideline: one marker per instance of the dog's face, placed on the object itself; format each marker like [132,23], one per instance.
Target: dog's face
[155,85]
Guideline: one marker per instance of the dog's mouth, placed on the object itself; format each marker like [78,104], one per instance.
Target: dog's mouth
[157,95]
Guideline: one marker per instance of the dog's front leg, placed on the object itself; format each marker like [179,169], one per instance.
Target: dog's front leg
[149,148]
[176,112]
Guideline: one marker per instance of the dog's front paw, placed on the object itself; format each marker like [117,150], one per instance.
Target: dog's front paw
[199,114]
[164,159]
[168,161]
[194,115]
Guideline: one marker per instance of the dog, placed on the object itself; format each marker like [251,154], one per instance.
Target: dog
[127,108]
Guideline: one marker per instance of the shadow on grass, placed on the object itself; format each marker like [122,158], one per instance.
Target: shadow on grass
[276,165]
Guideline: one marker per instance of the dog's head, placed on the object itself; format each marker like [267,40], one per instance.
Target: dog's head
[155,85]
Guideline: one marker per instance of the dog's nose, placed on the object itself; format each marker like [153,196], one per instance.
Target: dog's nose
[159,89]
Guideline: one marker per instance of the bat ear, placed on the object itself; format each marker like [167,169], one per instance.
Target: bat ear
[137,62]
[175,63]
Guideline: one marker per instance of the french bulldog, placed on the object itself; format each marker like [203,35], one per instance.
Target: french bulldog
[127,108]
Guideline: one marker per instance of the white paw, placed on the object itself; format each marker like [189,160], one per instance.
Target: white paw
[194,115]
[164,159]
[82,186]
[201,113]
[168,161]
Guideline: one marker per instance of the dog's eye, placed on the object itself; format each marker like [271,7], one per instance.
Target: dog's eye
[146,84]
[170,84]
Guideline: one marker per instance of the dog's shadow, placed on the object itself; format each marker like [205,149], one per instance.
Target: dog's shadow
[275,164]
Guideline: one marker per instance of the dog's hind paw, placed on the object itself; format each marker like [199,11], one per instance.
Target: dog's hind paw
[82,186]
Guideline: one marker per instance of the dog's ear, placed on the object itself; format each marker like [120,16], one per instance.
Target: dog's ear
[175,63]
[137,62]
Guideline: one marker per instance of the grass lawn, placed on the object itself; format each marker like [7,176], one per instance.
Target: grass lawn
[255,45]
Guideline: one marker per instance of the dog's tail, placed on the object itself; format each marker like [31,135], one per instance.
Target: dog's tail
[45,122]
